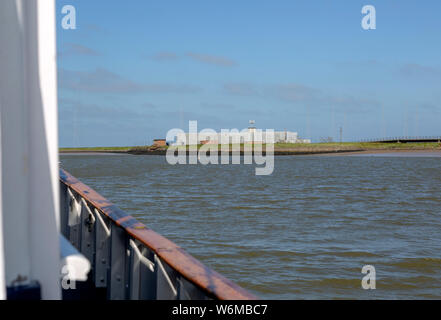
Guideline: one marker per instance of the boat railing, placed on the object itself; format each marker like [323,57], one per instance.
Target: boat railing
[130,260]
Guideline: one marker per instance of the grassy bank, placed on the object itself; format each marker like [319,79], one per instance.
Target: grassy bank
[95,149]
[365,146]
[294,148]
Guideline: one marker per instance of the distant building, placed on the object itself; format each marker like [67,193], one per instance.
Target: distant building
[209,142]
[237,137]
[159,142]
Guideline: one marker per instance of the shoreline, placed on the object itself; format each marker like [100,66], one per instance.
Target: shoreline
[89,151]
[386,151]
[277,152]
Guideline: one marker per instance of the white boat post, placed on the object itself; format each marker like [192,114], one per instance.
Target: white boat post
[29,150]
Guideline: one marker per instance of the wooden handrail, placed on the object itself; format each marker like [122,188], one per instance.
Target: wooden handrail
[208,280]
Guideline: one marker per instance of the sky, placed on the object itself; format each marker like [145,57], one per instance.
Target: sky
[133,70]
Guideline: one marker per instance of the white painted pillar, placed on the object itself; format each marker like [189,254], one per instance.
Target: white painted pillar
[29,144]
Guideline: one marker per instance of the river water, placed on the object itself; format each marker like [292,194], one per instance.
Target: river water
[304,232]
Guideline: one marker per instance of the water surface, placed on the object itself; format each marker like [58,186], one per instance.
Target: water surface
[304,232]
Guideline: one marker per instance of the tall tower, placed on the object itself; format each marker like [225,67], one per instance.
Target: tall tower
[252,130]
[251,127]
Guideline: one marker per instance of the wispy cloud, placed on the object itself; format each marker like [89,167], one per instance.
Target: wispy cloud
[210,59]
[165,56]
[71,49]
[104,81]
[241,89]
[430,107]
[300,94]
[293,92]
[98,111]
[218,106]
[91,27]
[417,70]
[99,80]
[148,106]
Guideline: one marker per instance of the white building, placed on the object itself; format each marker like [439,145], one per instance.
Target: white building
[235,136]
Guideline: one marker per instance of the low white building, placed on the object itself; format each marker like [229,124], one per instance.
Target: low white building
[235,136]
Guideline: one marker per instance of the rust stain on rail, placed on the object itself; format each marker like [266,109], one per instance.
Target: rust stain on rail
[212,283]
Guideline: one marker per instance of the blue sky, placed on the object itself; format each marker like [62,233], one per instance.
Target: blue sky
[134,69]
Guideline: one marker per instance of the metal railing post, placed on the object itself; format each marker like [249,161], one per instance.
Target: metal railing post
[134,271]
[88,235]
[74,220]
[166,281]
[118,263]
[148,279]
[64,210]
[102,250]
